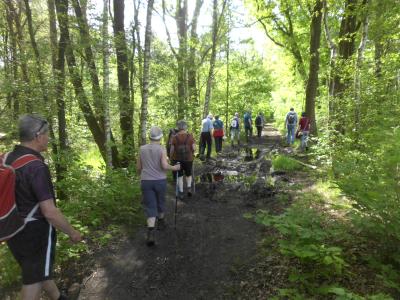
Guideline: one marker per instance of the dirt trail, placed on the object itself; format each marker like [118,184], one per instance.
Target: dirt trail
[195,261]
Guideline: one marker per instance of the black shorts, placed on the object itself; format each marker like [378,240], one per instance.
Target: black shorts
[34,249]
[186,167]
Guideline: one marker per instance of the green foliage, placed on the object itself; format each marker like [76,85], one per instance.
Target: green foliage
[9,269]
[284,163]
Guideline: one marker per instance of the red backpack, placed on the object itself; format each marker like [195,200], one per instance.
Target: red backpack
[10,221]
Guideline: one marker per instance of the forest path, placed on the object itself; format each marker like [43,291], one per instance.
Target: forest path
[197,260]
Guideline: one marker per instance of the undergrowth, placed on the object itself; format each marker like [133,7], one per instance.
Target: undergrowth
[329,254]
[98,205]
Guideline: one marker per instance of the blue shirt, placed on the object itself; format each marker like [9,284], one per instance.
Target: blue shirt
[206,125]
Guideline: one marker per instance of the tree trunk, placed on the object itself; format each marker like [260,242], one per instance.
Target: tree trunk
[312,83]
[332,63]
[146,73]
[96,130]
[125,105]
[106,85]
[57,91]
[192,64]
[22,60]
[210,79]
[181,24]
[14,65]
[357,79]
[90,60]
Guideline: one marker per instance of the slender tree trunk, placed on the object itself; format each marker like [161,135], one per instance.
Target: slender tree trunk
[125,105]
[357,80]
[95,128]
[181,24]
[227,73]
[312,83]
[14,65]
[192,64]
[139,46]
[210,79]
[332,63]
[146,73]
[90,60]
[106,85]
[22,60]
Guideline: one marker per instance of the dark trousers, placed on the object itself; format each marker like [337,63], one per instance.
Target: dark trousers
[218,144]
[205,139]
[259,129]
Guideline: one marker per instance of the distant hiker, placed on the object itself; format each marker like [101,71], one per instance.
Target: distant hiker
[248,125]
[205,137]
[34,246]
[152,165]
[235,129]
[218,134]
[304,130]
[290,124]
[182,149]
[259,124]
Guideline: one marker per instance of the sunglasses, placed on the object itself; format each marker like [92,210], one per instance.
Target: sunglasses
[44,123]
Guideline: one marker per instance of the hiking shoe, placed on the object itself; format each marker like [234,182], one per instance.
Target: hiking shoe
[161,224]
[150,239]
[189,193]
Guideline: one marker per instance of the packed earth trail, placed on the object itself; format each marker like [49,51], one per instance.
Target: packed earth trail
[197,259]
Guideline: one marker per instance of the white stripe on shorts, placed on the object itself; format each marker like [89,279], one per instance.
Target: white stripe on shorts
[47,266]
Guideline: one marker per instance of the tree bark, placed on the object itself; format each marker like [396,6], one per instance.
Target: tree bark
[192,64]
[181,24]
[312,83]
[106,85]
[210,79]
[146,73]
[125,105]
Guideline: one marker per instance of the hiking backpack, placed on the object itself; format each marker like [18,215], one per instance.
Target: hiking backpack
[291,118]
[182,149]
[10,221]
[258,121]
[234,123]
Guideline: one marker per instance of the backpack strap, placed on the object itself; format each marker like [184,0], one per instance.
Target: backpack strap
[23,160]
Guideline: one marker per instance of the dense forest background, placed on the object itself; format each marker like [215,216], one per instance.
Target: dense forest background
[103,72]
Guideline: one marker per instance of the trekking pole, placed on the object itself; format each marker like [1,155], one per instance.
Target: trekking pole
[193,180]
[176,197]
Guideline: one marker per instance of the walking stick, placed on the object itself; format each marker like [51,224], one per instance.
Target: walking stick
[176,198]
[193,180]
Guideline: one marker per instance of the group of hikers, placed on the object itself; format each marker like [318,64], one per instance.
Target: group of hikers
[297,130]
[33,244]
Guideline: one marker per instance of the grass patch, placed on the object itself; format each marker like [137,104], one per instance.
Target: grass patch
[284,163]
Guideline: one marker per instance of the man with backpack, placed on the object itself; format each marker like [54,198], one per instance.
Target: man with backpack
[218,134]
[248,125]
[259,124]
[205,137]
[290,124]
[182,149]
[34,245]
[235,129]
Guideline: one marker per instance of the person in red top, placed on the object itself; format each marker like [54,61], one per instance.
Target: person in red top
[304,130]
